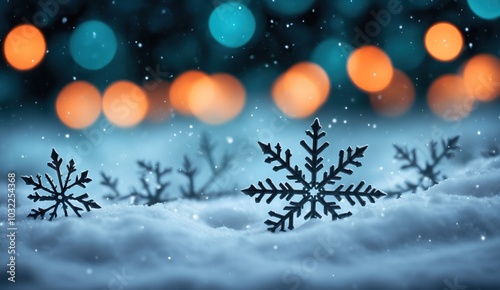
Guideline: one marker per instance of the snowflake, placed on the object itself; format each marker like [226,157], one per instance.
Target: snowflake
[428,174]
[59,197]
[321,187]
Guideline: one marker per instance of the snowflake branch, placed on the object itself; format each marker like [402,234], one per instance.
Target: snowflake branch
[285,191]
[342,167]
[314,163]
[293,208]
[295,172]
[370,193]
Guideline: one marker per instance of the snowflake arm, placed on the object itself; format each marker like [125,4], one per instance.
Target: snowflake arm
[351,192]
[295,208]
[343,165]
[314,161]
[285,191]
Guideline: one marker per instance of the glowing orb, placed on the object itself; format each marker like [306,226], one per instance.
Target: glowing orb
[443,41]
[332,55]
[78,104]
[159,105]
[301,90]
[93,45]
[289,7]
[232,24]
[448,98]
[125,104]
[217,99]
[482,77]
[397,98]
[180,90]
[369,68]
[24,47]
[486,9]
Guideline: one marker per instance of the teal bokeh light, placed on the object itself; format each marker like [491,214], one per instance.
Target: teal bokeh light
[93,45]
[232,24]
[405,47]
[332,55]
[289,7]
[486,9]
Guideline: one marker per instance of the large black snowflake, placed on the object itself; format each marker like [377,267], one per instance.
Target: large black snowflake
[319,190]
[58,190]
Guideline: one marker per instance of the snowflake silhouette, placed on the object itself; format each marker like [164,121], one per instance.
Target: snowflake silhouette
[58,192]
[317,191]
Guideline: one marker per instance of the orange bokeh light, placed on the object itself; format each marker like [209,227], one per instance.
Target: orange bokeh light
[301,90]
[443,41]
[159,105]
[448,98]
[369,68]
[24,47]
[78,105]
[397,98]
[482,77]
[125,104]
[180,90]
[216,99]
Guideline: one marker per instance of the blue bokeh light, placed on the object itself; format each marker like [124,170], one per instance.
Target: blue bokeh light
[405,47]
[93,45]
[232,24]
[486,9]
[332,55]
[289,7]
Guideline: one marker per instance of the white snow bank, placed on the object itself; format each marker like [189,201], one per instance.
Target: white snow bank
[439,239]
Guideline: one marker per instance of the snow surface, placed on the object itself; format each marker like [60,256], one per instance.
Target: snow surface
[448,234]
[447,237]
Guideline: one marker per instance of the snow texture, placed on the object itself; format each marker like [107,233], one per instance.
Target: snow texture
[445,237]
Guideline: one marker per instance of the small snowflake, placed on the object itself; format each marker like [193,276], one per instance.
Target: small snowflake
[58,191]
[319,189]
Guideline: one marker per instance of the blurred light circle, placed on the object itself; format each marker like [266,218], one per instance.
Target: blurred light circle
[217,99]
[369,68]
[332,56]
[448,98]
[301,90]
[486,9]
[482,77]
[24,47]
[443,41]
[93,45]
[78,104]
[232,24]
[351,8]
[289,7]
[125,104]
[397,98]
[159,105]
[402,43]
[181,88]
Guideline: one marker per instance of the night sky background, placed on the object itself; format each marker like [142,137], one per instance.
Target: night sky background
[171,37]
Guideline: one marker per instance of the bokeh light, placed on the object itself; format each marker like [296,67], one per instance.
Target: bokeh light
[404,42]
[24,47]
[232,24]
[289,7]
[125,104]
[78,104]
[486,9]
[397,98]
[482,77]
[217,99]
[331,55]
[448,98]
[93,45]
[369,68]
[301,90]
[180,90]
[443,41]
[159,108]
